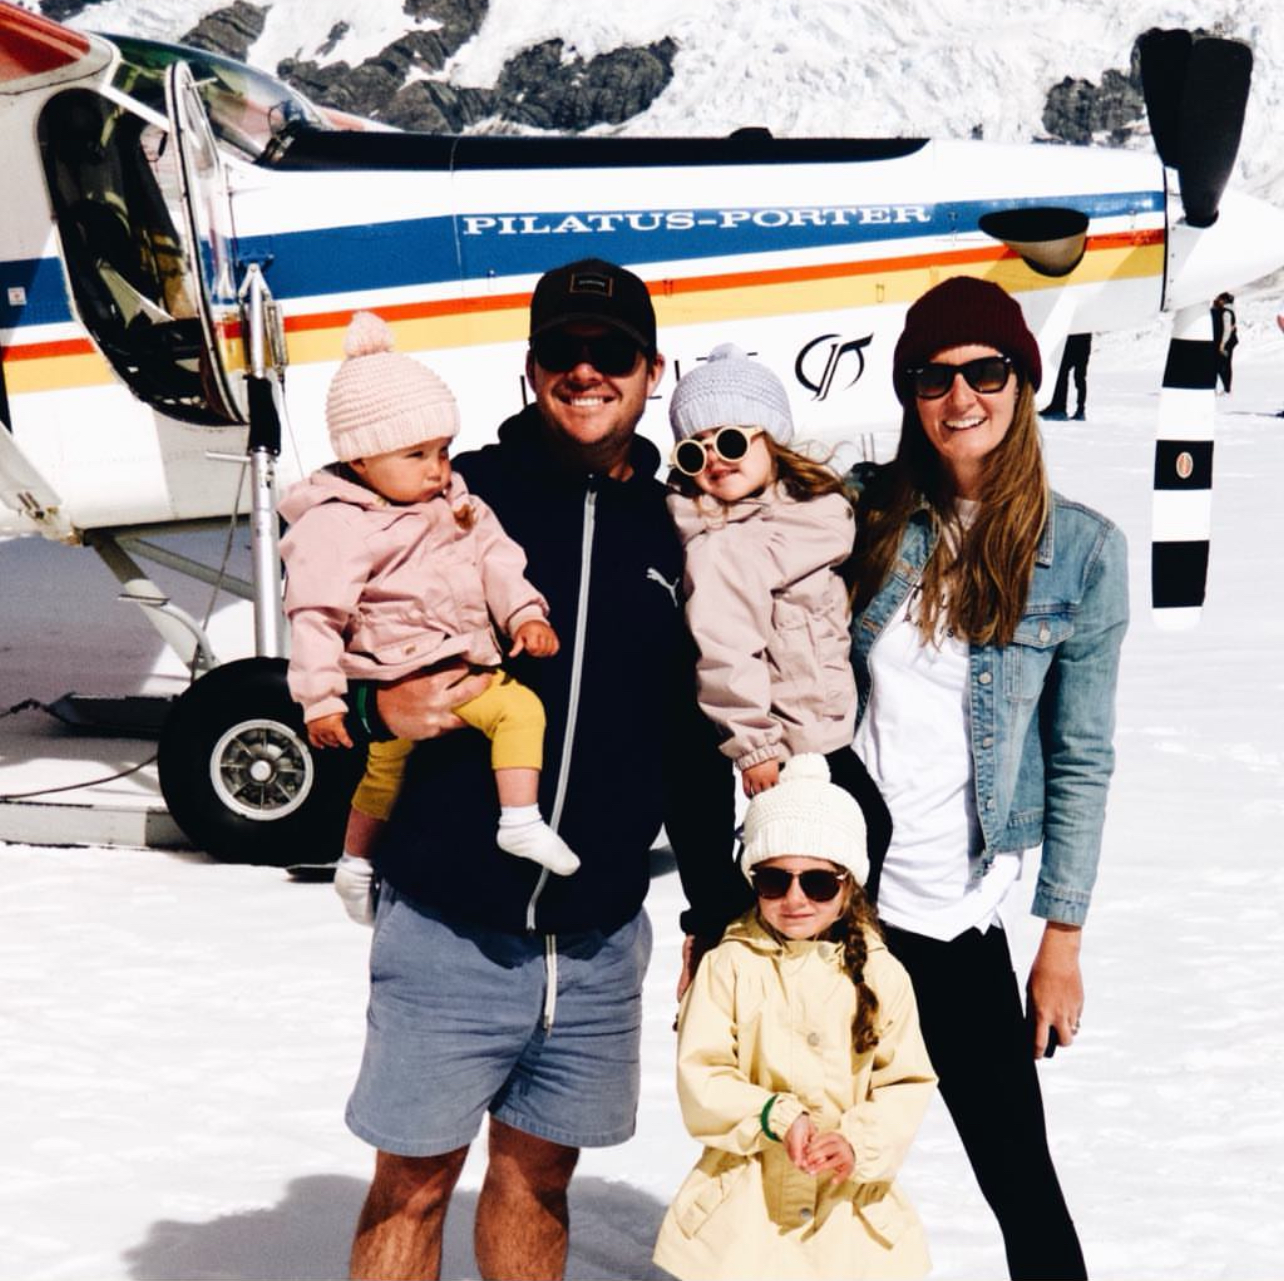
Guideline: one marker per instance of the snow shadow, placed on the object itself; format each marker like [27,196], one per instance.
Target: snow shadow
[307,1236]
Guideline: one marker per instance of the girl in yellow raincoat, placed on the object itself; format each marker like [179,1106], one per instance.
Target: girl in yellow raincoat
[800,1064]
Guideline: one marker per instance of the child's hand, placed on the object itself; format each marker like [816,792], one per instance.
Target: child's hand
[537,638]
[828,1153]
[798,1139]
[329,731]
[761,777]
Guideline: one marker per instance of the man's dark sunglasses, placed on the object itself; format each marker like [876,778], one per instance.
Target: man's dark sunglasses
[817,884]
[612,354]
[987,375]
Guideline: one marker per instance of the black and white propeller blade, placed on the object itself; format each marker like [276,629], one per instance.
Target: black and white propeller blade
[1196,94]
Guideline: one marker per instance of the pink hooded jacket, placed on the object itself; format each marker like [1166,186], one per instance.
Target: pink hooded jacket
[377,590]
[769,614]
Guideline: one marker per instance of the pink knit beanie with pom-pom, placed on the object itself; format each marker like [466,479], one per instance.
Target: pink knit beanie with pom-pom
[379,400]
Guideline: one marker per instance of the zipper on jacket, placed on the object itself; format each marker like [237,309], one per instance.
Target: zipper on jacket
[550,980]
[573,697]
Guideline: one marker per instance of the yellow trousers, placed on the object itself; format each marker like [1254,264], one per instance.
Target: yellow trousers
[508,713]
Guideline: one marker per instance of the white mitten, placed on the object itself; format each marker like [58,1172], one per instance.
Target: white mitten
[354,883]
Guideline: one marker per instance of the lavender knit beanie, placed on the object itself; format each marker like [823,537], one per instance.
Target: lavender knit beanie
[379,400]
[729,388]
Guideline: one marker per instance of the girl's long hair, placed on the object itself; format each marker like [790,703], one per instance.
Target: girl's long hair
[853,930]
[802,477]
[978,575]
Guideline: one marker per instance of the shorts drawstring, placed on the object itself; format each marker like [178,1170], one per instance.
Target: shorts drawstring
[550,980]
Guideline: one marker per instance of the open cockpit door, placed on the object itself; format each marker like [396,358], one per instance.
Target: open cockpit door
[208,240]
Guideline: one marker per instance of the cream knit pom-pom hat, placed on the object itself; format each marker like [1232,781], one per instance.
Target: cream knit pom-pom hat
[807,816]
[379,400]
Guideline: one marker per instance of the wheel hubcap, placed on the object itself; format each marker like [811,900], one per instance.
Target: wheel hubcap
[261,770]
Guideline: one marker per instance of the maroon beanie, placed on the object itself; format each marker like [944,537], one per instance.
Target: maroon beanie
[955,313]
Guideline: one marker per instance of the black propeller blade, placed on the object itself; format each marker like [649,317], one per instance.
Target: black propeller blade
[1196,93]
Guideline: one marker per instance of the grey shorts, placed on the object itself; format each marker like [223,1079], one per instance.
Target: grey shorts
[457,1026]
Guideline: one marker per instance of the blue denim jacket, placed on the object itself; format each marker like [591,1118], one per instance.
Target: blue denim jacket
[1043,707]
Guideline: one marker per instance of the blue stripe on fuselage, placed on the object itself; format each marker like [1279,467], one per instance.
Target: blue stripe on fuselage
[427,251]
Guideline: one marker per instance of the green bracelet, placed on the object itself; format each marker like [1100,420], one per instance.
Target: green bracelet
[762,1118]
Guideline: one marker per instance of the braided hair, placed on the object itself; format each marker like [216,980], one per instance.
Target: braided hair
[853,930]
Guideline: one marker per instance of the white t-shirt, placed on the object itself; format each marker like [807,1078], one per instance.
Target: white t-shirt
[915,740]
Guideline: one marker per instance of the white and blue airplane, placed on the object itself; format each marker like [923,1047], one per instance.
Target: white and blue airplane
[185,239]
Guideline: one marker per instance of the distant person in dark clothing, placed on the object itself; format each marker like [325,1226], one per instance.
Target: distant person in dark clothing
[1225,336]
[1074,359]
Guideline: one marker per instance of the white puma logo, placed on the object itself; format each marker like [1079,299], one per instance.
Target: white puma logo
[654,576]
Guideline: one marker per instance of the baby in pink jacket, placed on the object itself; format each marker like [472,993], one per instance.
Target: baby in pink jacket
[393,567]
[765,530]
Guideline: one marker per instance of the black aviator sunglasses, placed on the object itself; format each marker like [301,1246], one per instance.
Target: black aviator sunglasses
[558,351]
[986,375]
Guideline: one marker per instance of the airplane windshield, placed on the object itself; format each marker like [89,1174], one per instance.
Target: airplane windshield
[248,110]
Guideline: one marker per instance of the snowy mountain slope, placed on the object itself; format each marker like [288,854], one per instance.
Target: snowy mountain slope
[843,67]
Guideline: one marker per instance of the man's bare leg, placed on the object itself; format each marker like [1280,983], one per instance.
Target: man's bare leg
[399,1232]
[522,1217]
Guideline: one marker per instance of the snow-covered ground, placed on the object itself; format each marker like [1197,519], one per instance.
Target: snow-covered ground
[177,1037]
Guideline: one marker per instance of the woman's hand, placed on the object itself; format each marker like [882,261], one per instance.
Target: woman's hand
[1054,993]
[419,706]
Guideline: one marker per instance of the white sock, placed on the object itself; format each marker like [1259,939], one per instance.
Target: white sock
[524,833]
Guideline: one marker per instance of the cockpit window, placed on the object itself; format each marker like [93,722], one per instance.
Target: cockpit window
[124,259]
[249,111]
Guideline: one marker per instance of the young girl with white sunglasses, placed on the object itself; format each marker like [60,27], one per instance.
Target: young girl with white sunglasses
[765,531]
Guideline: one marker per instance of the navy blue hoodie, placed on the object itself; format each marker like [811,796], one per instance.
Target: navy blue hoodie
[626,747]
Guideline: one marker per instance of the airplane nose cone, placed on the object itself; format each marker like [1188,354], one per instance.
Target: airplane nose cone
[1244,244]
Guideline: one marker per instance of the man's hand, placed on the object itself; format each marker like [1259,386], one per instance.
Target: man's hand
[328,731]
[537,638]
[419,706]
[1055,989]
[693,949]
[761,777]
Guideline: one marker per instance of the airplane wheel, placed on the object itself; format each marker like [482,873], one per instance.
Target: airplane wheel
[239,777]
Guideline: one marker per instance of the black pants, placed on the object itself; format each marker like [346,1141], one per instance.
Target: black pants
[849,772]
[969,1006]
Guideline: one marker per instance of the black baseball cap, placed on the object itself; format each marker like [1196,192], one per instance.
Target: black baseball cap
[598,292]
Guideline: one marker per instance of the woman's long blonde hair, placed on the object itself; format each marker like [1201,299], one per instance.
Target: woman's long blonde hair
[979,574]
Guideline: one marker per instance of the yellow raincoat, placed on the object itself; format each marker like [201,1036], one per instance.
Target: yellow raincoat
[762,1018]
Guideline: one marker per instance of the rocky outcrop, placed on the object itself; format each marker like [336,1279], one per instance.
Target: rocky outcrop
[1079,111]
[229,31]
[542,89]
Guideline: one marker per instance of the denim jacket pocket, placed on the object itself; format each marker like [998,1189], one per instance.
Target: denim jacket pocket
[1027,659]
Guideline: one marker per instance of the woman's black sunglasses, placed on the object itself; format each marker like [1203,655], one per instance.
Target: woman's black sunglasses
[612,354]
[817,884]
[987,375]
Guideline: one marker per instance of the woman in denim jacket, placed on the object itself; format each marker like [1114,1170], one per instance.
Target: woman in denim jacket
[988,614]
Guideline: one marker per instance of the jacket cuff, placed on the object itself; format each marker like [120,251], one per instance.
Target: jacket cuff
[527,614]
[324,707]
[768,753]
[785,1110]
[1066,908]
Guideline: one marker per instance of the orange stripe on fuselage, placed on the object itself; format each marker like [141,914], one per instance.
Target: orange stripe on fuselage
[316,332]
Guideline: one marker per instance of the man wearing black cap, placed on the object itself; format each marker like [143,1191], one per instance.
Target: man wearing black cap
[495,988]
